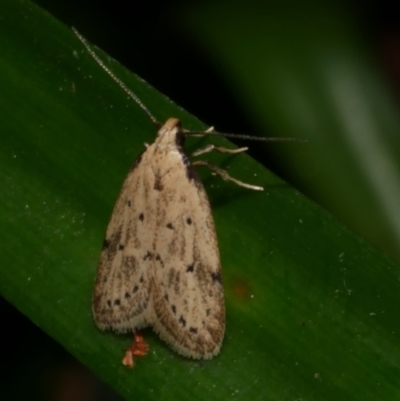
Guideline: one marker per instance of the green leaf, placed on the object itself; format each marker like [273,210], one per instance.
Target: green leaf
[311,307]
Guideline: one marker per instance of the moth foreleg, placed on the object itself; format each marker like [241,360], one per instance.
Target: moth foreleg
[224,174]
[211,147]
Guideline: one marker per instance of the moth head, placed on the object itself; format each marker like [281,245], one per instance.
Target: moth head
[171,132]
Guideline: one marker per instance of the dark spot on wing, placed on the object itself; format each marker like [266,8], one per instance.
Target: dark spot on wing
[193,330]
[170,226]
[148,255]
[111,244]
[121,247]
[158,186]
[216,277]
[182,321]
[129,203]
[190,268]
[141,279]
[127,295]
[109,303]
[173,308]
[117,302]
[166,297]
[158,259]
[135,288]
[189,221]
[141,216]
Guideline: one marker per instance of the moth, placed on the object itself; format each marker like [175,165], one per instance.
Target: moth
[160,263]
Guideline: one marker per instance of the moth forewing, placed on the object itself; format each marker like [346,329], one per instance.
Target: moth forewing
[160,262]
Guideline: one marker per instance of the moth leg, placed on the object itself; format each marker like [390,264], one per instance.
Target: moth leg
[211,147]
[224,174]
[201,133]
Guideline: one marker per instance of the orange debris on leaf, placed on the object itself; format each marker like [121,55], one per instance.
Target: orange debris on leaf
[138,348]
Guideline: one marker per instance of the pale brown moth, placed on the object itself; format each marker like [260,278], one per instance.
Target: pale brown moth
[160,263]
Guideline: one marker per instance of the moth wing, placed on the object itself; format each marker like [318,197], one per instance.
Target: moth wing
[188,292]
[122,294]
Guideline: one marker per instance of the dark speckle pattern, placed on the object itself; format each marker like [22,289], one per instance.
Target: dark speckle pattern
[160,263]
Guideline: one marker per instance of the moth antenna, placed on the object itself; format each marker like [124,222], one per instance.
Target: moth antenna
[239,136]
[112,75]
[210,131]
